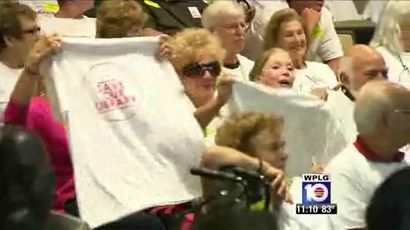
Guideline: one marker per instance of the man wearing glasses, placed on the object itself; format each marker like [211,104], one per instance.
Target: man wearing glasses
[19,32]
[227,20]
[382,117]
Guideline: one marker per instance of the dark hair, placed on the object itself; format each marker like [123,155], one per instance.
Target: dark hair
[27,182]
[389,207]
[10,25]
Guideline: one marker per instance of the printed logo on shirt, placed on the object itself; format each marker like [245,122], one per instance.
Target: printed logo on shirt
[113,95]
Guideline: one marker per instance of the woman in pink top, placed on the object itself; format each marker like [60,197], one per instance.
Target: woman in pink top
[27,109]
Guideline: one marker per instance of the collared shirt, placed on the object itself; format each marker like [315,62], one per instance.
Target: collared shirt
[372,155]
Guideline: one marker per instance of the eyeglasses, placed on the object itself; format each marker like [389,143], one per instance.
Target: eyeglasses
[34,30]
[233,27]
[198,70]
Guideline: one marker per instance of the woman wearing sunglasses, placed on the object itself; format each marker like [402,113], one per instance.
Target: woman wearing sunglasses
[197,55]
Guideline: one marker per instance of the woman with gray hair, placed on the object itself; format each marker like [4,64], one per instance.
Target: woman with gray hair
[392,40]
[226,20]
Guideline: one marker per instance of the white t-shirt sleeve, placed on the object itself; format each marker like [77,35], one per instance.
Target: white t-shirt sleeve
[329,46]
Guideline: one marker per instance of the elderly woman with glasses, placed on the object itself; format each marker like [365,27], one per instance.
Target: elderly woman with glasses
[285,30]
[392,40]
[197,56]
[226,19]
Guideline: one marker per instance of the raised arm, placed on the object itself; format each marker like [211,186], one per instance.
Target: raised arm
[207,112]
[26,86]
[218,156]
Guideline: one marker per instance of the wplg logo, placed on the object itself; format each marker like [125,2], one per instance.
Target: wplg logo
[316,195]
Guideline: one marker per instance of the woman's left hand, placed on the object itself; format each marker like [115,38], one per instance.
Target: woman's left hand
[224,88]
[279,186]
[44,47]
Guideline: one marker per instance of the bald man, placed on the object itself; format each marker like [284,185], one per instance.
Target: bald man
[382,117]
[361,64]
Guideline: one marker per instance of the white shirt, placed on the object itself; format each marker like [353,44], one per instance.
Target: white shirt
[315,75]
[8,80]
[373,10]
[343,10]
[354,180]
[68,27]
[119,111]
[243,70]
[326,45]
[396,70]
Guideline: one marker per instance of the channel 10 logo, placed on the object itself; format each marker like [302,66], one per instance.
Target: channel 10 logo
[316,189]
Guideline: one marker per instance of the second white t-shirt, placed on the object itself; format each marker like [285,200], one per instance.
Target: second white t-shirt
[68,27]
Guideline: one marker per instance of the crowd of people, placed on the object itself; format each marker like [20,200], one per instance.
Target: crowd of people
[287,45]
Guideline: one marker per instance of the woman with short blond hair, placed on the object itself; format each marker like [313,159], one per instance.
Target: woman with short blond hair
[197,57]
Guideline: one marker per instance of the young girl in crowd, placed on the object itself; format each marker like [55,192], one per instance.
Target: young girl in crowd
[274,69]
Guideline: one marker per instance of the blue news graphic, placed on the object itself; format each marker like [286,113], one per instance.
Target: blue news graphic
[316,189]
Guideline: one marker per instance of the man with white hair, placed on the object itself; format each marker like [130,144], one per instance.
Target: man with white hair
[361,64]
[382,117]
[226,19]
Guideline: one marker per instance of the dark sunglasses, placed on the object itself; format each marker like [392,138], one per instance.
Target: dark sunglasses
[32,31]
[198,70]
